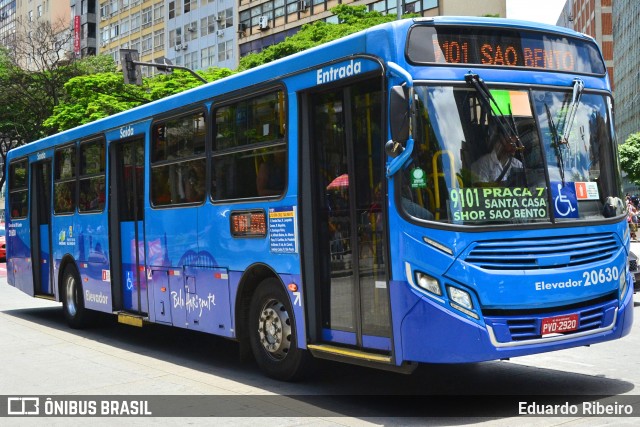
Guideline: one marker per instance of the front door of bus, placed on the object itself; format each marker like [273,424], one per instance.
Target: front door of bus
[349,242]
[127,217]
[41,226]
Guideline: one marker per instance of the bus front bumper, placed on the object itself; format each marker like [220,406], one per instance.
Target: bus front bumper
[431,333]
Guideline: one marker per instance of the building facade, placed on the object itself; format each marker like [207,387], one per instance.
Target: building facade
[7,22]
[202,34]
[131,24]
[262,23]
[594,18]
[85,27]
[626,75]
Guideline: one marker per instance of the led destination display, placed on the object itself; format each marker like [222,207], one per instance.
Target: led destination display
[500,47]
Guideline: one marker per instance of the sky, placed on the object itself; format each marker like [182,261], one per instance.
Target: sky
[546,11]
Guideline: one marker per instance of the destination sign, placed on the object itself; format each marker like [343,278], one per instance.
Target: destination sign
[503,48]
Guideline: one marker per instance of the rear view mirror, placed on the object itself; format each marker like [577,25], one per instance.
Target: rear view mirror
[399,116]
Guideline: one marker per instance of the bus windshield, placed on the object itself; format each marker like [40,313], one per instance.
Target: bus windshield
[523,156]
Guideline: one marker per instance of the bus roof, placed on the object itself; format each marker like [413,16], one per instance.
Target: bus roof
[374,40]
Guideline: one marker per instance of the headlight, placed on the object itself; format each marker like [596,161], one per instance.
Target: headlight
[623,281]
[428,283]
[461,300]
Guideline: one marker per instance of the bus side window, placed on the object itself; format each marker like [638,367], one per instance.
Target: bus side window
[92,176]
[249,151]
[178,165]
[64,187]
[18,193]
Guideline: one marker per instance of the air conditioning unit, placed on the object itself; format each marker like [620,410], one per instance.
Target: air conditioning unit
[220,33]
[191,29]
[263,23]
[103,44]
[103,18]
[185,46]
[218,18]
[303,5]
[178,47]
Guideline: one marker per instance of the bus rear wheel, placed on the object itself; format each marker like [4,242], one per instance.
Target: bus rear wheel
[72,298]
[273,335]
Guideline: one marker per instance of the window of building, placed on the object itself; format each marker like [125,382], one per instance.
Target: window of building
[190,5]
[18,189]
[158,12]
[207,25]
[178,164]
[124,26]
[250,148]
[158,39]
[292,6]
[278,8]
[135,21]
[191,60]
[147,17]
[191,31]
[177,8]
[208,57]
[225,51]
[226,19]
[64,180]
[92,176]
[147,43]
[135,44]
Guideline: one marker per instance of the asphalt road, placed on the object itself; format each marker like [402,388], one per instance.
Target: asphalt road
[41,356]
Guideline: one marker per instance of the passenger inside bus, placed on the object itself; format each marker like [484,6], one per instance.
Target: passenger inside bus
[500,162]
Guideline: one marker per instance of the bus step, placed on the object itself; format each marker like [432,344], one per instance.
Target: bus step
[321,349]
[47,297]
[360,358]
[130,319]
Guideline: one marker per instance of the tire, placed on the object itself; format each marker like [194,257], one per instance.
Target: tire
[272,334]
[73,299]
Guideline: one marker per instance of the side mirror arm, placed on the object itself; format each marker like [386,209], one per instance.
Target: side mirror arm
[393,148]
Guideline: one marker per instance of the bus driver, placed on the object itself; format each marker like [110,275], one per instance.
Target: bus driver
[496,165]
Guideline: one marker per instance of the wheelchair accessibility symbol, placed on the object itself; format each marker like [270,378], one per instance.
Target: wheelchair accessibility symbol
[565,201]
[129,282]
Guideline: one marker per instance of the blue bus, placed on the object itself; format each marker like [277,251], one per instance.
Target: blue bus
[432,190]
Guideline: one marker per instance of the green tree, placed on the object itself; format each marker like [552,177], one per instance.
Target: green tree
[352,19]
[630,157]
[95,96]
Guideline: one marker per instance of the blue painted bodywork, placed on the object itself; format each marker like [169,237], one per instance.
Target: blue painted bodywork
[192,267]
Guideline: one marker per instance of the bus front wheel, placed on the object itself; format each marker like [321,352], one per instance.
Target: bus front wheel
[273,335]
[72,298]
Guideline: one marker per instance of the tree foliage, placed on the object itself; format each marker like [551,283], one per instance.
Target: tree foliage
[352,19]
[630,157]
[95,96]
[45,89]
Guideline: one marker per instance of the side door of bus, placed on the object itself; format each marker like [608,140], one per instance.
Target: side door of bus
[345,238]
[41,226]
[126,222]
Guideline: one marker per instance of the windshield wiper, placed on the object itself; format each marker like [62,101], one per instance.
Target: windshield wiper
[578,88]
[555,142]
[490,103]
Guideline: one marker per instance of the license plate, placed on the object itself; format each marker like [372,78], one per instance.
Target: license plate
[559,324]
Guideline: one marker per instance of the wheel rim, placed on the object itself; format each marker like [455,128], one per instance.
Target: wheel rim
[70,295]
[274,328]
